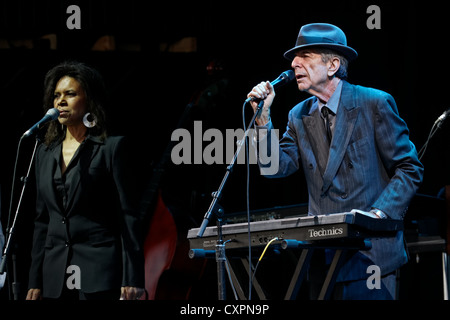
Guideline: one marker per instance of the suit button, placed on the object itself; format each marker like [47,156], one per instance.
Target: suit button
[64,220]
[67,243]
[344,195]
[350,165]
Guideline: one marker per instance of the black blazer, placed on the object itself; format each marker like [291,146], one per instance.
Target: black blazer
[92,223]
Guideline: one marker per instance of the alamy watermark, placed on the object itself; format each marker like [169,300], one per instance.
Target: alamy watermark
[74,20]
[74,280]
[374,280]
[374,20]
[214,146]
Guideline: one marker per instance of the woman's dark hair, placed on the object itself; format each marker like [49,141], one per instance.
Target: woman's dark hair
[94,87]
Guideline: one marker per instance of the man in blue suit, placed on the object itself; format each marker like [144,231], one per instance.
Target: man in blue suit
[354,149]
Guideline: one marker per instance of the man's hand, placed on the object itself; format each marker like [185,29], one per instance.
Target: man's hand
[371,214]
[263,91]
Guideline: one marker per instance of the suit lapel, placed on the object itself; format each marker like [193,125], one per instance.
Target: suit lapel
[345,122]
[316,134]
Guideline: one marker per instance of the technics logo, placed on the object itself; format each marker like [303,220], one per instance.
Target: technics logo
[325,232]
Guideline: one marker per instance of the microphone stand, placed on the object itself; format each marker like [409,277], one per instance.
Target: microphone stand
[11,230]
[437,125]
[217,209]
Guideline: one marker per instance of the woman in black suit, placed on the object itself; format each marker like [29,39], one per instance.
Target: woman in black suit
[88,242]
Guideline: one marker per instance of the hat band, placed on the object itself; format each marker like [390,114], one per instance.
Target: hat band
[302,40]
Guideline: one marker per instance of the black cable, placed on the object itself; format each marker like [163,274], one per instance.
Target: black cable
[247,162]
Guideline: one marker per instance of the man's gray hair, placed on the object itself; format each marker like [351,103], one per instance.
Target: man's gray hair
[328,55]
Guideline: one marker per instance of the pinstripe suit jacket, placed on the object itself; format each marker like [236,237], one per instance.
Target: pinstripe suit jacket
[371,163]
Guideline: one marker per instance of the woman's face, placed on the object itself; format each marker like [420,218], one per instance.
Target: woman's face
[70,100]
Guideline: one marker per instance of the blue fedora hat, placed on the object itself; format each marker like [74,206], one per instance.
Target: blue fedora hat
[322,35]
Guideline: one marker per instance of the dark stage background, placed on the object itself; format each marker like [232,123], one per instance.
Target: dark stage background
[157,57]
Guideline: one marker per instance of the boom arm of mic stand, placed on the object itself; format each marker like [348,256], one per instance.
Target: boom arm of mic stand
[214,206]
[11,230]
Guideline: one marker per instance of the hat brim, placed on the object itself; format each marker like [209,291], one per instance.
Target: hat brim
[346,51]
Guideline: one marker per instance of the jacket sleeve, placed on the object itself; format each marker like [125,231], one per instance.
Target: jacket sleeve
[277,157]
[399,156]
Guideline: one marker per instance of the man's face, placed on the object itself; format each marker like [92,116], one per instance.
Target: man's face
[310,71]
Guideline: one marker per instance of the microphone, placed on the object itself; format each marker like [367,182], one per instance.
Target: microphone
[52,114]
[285,77]
[442,116]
